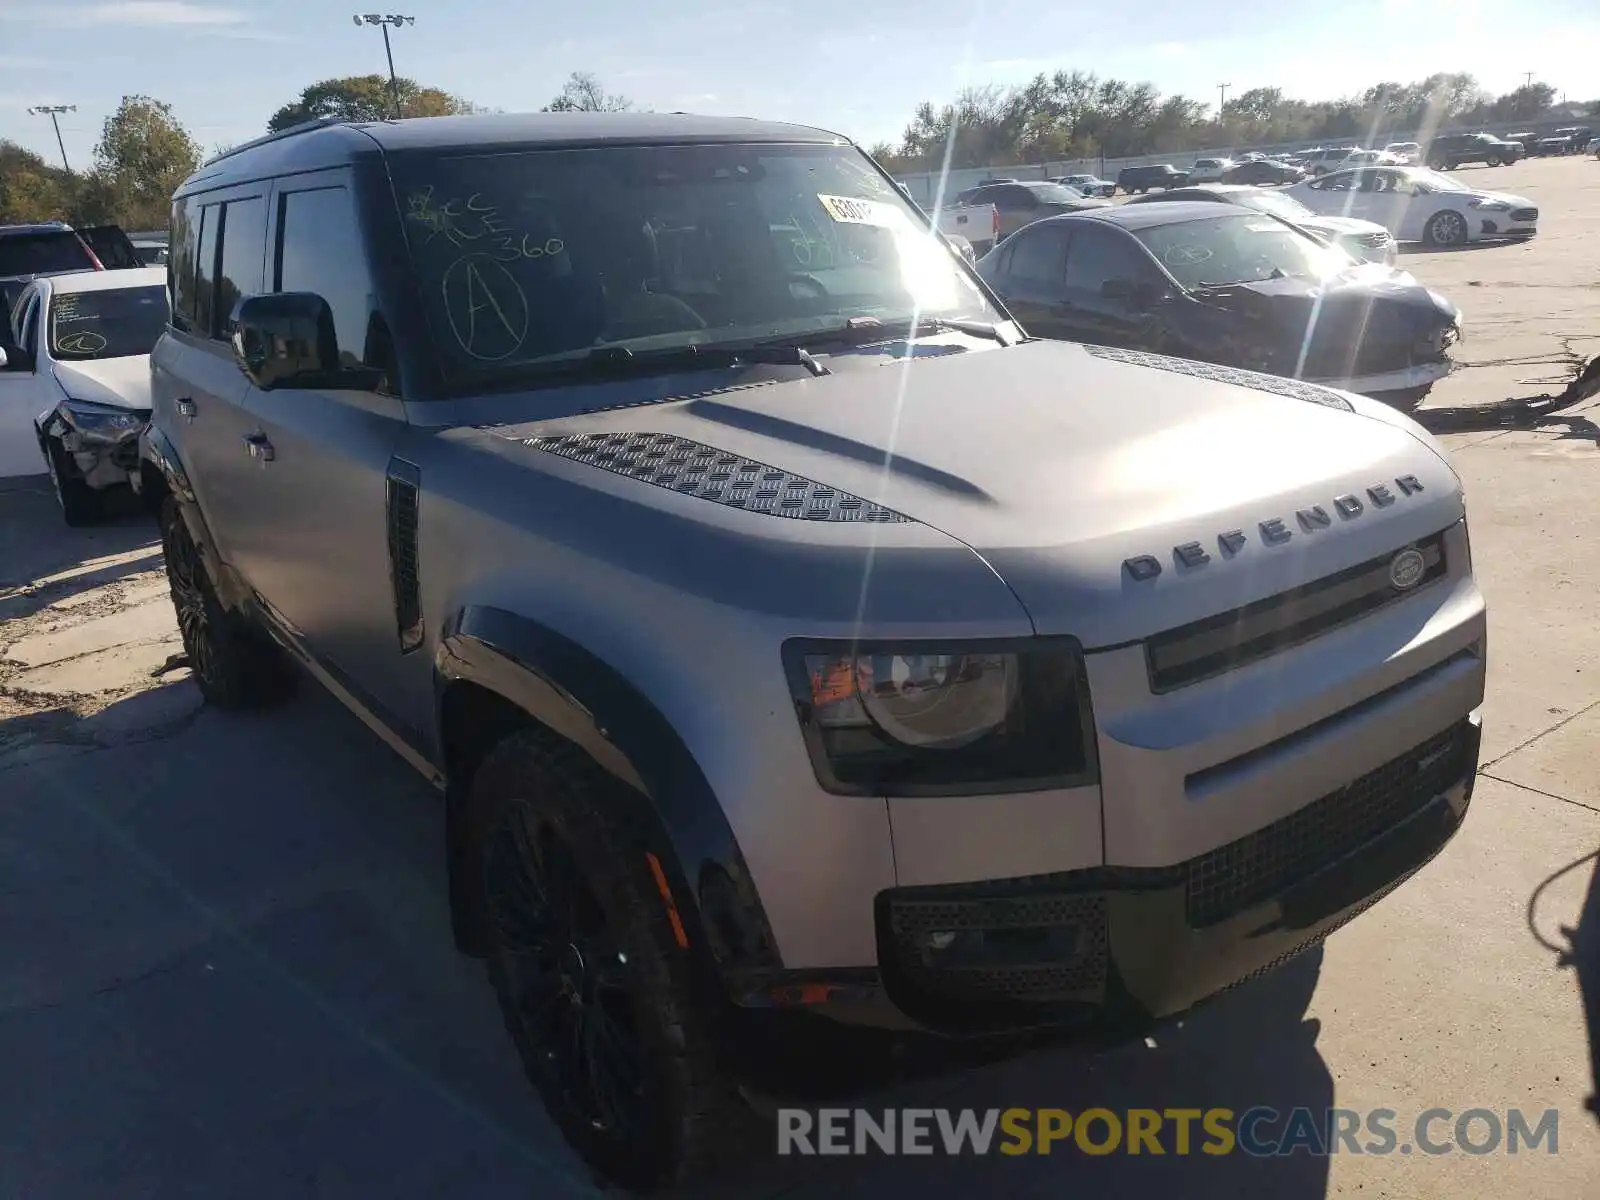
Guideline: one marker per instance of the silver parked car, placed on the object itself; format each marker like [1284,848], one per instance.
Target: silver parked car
[792,639]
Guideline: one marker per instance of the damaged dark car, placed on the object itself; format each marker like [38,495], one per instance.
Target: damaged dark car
[1240,289]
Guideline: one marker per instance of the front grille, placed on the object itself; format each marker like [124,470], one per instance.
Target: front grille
[1374,240]
[1524,214]
[1203,649]
[1258,866]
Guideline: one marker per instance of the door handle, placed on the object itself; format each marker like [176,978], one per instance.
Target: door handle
[186,408]
[258,448]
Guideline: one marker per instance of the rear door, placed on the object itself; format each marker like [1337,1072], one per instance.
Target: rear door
[112,247]
[197,390]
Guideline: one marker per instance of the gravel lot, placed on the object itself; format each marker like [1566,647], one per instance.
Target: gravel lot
[225,966]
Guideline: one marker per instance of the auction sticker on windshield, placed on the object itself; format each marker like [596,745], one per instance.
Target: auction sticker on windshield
[850,210]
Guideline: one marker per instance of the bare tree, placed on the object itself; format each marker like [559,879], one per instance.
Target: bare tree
[583,93]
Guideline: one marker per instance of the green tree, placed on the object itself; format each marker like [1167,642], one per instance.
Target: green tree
[583,93]
[30,189]
[366,98]
[142,157]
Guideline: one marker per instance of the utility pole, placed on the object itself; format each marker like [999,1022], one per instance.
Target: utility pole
[1222,99]
[54,111]
[383,22]
[1527,79]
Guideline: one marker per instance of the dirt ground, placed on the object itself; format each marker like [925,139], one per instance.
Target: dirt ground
[225,966]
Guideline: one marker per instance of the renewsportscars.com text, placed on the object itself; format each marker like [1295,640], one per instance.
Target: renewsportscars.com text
[1259,1132]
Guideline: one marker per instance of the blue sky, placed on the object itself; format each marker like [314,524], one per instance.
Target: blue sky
[225,65]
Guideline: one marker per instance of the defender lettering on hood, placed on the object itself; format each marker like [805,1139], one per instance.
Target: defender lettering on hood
[1274,531]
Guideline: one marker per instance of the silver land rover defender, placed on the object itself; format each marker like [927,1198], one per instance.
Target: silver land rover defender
[784,628]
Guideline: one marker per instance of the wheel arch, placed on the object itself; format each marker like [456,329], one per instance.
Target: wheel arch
[495,672]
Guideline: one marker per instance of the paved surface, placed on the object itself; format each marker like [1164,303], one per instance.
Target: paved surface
[225,967]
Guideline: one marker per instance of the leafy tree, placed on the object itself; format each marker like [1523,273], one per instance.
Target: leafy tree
[583,93]
[30,189]
[366,98]
[142,157]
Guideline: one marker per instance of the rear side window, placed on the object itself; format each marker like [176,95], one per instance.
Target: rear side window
[44,252]
[320,250]
[205,273]
[181,262]
[244,248]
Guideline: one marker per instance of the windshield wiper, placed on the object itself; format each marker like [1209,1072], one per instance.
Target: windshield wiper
[621,360]
[860,331]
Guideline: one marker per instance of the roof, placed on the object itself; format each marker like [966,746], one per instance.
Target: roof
[29,230]
[515,129]
[107,281]
[1147,216]
[328,143]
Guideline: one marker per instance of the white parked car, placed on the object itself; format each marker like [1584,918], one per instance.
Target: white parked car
[75,381]
[1088,185]
[1369,158]
[1409,153]
[1324,160]
[1209,170]
[1418,205]
[1364,241]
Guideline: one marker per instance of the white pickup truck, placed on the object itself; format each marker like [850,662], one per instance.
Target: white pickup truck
[978,223]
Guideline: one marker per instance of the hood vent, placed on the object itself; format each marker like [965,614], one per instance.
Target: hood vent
[1295,389]
[695,469]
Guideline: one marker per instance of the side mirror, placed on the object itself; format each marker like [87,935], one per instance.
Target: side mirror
[284,340]
[287,340]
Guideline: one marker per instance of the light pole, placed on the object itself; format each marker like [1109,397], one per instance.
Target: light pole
[383,22]
[54,111]
[1222,99]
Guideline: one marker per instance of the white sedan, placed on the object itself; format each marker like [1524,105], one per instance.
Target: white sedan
[75,381]
[1418,205]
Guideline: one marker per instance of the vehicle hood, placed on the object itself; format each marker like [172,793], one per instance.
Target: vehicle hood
[119,382]
[1341,226]
[1502,197]
[1056,463]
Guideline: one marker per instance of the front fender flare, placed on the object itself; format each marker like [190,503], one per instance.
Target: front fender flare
[582,698]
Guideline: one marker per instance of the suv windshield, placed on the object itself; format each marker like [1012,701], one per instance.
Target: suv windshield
[47,252]
[1238,248]
[541,256]
[106,324]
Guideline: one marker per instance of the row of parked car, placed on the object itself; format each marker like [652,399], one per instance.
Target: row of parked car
[793,639]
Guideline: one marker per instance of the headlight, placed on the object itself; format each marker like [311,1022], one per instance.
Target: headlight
[100,419]
[907,719]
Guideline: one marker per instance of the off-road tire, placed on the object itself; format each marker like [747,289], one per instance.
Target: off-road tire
[689,1120]
[80,504]
[234,665]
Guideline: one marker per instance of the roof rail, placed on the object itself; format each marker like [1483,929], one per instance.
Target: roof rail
[303,127]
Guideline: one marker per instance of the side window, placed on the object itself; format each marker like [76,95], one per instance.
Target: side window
[1342,182]
[320,249]
[1039,256]
[1016,197]
[205,272]
[181,262]
[1098,257]
[27,325]
[244,248]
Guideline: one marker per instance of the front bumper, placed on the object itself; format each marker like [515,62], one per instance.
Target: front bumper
[102,459]
[1115,949]
[1404,379]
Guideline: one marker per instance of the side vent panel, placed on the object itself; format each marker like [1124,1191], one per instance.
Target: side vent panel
[403,513]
